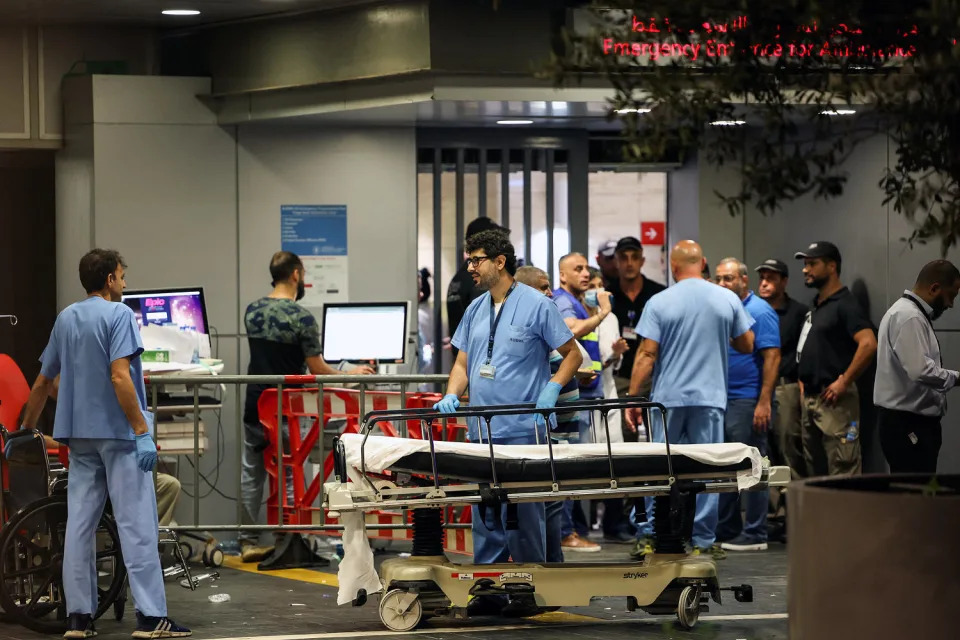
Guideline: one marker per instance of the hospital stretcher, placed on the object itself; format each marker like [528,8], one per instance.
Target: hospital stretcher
[373,472]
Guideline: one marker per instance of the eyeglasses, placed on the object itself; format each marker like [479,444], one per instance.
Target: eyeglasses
[475,261]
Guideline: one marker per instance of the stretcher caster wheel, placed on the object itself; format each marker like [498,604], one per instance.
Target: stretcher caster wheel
[400,610]
[213,558]
[688,609]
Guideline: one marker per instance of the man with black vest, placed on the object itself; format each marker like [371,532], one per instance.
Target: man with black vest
[911,386]
[836,344]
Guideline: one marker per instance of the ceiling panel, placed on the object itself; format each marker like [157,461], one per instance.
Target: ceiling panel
[147,12]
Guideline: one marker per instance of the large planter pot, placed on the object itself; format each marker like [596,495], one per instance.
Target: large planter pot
[874,557]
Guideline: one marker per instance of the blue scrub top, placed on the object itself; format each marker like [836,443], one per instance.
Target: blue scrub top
[693,322]
[87,337]
[746,369]
[530,328]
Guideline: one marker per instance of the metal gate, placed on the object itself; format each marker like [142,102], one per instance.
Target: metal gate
[534,183]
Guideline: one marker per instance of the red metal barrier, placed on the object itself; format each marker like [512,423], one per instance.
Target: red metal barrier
[299,408]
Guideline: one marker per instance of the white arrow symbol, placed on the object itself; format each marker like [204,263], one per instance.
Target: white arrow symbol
[650,233]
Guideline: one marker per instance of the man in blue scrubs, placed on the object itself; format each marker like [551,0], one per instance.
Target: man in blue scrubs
[101,415]
[505,339]
[750,409]
[686,331]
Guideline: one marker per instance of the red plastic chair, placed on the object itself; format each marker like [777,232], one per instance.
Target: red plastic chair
[14,392]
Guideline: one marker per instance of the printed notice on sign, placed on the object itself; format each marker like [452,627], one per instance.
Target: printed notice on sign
[318,234]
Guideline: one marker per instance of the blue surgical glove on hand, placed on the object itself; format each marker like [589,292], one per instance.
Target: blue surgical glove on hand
[548,397]
[146,452]
[449,404]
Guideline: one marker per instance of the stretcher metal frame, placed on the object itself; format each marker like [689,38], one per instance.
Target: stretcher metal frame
[425,584]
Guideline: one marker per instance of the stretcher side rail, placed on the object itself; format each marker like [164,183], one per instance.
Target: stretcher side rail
[489,412]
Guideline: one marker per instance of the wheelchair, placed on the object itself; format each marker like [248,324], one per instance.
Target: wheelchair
[33,505]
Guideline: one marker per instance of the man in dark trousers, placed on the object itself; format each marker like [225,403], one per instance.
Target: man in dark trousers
[786,443]
[461,291]
[836,344]
[910,391]
[631,291]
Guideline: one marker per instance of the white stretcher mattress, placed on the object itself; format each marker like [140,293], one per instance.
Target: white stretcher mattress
[382,452]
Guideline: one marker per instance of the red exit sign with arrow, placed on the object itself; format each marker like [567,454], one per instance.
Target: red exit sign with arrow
[654,233]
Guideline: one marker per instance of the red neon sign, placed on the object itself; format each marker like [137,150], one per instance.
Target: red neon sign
[715,47]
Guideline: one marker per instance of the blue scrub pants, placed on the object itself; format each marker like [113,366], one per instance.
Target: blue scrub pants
[99,467]
[554,513]
[493,543]
[690,425]
[738,427]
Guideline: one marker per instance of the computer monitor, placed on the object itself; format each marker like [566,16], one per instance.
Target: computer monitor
[183,308]
[365,331]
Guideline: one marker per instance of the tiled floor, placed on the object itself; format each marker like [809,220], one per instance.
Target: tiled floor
[265,606]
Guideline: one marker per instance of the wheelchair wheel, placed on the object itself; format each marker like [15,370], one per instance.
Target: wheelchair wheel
[31,565]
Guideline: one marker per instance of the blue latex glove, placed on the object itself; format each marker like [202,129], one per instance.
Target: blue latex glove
[146,452]
[547,400]
[449,404]
[548,397]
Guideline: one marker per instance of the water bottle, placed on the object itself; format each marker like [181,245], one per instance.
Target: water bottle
[852,431]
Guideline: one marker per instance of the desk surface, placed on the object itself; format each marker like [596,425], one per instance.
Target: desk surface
[167,370]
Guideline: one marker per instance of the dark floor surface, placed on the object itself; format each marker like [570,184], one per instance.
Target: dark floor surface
[275,608]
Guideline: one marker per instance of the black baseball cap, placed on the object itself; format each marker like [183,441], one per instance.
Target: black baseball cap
[820,249]
[608,249]
[628,242]
[772,264]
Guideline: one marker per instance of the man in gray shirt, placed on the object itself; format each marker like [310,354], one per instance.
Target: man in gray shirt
[911,385]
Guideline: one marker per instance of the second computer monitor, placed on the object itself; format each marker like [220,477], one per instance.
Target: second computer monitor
[365,331]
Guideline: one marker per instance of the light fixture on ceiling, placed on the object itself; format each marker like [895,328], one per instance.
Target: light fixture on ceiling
[838,112]
[727,123]
[180,12]
[512,122]
[631,110]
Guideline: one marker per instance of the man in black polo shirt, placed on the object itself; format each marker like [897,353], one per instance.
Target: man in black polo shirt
[786,443]
[630,294]
[836,344]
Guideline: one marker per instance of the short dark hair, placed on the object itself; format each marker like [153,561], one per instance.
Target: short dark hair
[480,224]
[282,266]
[941,272]
[495,242]
[96,266]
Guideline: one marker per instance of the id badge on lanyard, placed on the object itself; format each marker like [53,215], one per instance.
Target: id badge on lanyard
[487,370]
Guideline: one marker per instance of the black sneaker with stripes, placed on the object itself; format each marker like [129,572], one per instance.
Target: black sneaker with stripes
[155,627]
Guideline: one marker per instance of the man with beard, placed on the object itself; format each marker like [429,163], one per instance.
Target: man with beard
[786,443]
[284,340]
[505,339]
[911,386]
[836,344]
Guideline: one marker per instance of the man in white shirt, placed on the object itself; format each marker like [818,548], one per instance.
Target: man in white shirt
[911,385]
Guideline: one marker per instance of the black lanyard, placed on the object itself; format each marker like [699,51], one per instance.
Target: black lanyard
[929,322]
[494,322]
